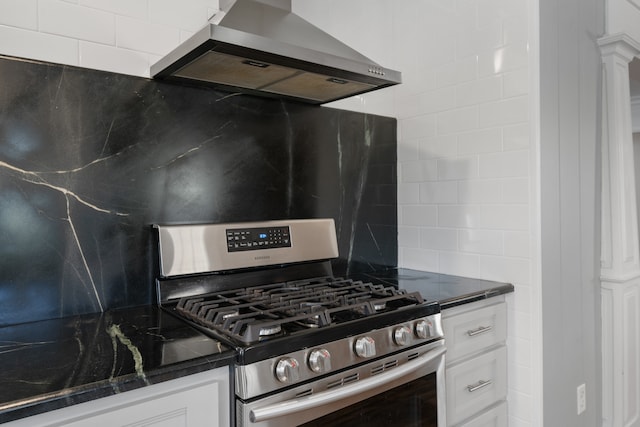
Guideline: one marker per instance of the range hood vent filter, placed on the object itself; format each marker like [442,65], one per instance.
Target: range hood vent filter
[238,60]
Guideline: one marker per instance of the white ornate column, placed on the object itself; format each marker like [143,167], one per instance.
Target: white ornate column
[620,259]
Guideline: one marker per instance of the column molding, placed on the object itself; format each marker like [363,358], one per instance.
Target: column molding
[620,259]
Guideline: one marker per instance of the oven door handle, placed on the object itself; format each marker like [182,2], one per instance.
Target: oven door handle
[326,397]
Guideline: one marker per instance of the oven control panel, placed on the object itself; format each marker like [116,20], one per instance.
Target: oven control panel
[250,239]
[313,362]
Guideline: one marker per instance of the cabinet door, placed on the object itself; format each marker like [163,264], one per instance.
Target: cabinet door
[473,331]
[190,407]
[193,401]
[476,384]
[494,417]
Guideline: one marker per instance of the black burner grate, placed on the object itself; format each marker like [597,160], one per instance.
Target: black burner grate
[260,312]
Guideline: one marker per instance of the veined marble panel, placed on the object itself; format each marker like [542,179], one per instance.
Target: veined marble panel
[89,160]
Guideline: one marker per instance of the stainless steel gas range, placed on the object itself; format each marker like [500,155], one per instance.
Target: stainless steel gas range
[312,349]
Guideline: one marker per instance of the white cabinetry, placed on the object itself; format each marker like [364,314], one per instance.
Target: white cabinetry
[476,363]
[197,400]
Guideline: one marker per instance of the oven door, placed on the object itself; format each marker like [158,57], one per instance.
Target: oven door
[406,389]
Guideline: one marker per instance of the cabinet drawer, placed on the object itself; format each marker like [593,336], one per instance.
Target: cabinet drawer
[476,384]
[494,417]
[475,330]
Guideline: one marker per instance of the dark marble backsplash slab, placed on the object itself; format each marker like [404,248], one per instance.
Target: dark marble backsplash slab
[89,160]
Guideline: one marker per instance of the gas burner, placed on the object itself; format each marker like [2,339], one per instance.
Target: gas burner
[379,306]
[269,331]
[311,321]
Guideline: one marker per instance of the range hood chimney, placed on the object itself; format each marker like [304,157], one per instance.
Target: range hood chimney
[262,48]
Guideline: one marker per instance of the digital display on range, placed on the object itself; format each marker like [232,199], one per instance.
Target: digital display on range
[250,239]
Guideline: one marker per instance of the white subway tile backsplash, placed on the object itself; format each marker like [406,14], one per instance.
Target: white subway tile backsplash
[418,215]
[479,91]
[19,13]
[481,141]
[441,239]
[426,102]
[408,193]
[415,80]
[505,112]
[504,164]
[171,13]
[516,83]
[514,32]
[458,120]
[420,171]
[419,259]
[503,217]
[409,237]
[490,217]
[516,137]
[458,216]
[522,299]
[439,192]
[131,8]
[110,58]
[467,69]
[461,71]
[418,127]
[459,264]
[436,50]
[142,36]
[472,39]
[520,376]
[76,22]
[486,242]
[515,190]
[439,146]
[458,168]
[480,191]
[512,57]
[407,149]
[40,46]
[446,75]
[517,244]
[505,269]
[489,63]
[520,406]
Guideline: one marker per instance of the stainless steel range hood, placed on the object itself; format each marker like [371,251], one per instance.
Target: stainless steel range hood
[261,47]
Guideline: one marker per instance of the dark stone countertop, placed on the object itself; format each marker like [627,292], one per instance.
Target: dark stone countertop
[55,363]
[449,291]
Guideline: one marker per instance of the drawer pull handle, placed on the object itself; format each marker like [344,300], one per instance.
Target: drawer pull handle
[480,330]
[481,384]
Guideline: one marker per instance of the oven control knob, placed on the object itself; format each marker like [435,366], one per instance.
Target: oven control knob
[424,329]
[288,370]
[402,335]
[365,347]
[320,360]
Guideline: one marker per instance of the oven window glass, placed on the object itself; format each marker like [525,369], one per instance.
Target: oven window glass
[409,405]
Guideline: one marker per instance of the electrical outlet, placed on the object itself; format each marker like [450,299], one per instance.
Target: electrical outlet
[582,398]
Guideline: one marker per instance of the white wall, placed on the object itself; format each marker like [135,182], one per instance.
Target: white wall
[124,36]
[467,161]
